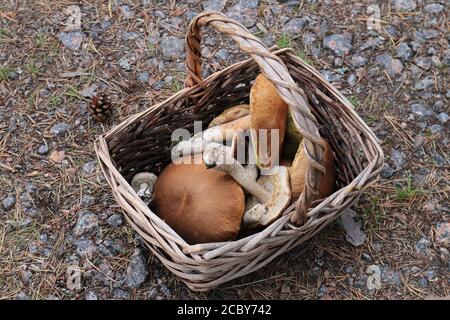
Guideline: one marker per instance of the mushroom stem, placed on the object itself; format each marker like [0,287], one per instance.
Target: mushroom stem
[217,156]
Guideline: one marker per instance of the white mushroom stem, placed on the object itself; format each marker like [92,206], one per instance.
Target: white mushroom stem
[217,156]
[143,183]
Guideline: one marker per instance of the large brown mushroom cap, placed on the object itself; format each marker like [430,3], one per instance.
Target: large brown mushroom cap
[267,111]
[298,169]
[201,205]
[230,114]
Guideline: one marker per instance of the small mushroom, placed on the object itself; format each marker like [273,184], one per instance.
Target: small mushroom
[230,114]
[272,191]
[143,184]
[268,112]
[298,169]
[200,205]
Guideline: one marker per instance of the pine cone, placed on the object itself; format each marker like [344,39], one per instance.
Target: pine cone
[100,107]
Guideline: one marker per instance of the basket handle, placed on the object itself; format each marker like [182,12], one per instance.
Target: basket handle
[275,70]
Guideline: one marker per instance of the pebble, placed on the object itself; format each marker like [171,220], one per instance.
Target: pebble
[86,248]
[423,247]
[115,220]
[172,47]
[214,5]
[398,157]
[358,61]
[393,66]
[129,35]
[374,277]
[159,292]
[443,117]
[330,76]
[443,233]
[72,39]
[420,110]
[59,129]
[245,12]
[425,83]
[404,52]
[120,294]
[91,296]
[439,106]
[351,80]
[294,26]
[127,13]
[87,201]
[125,64]
[137,270]
[89,167]
[340,44]
[43,149]
[9,202]
[433,8]
[144,77]
[371,43]
[87,223]
[435,128]
[389,276]
[352,228]
[33,248]
[405,5]
[423,62]
[387,171]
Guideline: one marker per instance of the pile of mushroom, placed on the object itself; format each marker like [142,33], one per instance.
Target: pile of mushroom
[210,192]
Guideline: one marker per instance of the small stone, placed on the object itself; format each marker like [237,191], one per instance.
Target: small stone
[172,47]
[404,52]
[330,76]
[125,64]
[371,43]
[351,80]
[439,160]
[71,40]
[87,223]
[431,275]
[9,202]
[340,44]
[392,66]
[43,237]
[387,171]
[59,129]
[405,5]
[115,220]
[89,167]
[424,84]
[367,257]
[214,5]
[91,296]
[86,248]
[43,149]
[433,8]
[129,35]
[33,248]
[389,276]
[26,276]
[443,233]
[423,62]
[423,282]
[245,12]
[352,227]
[144,77]
[127,13]
[439,106]
[430,34]
[435,128]
[358,61]
[285,288]
[136,270]
[443,117]
[423,247]
[87,201]
[398,157]
[420,110]
[294,26]
[159,292]
[120,294]
[374,278]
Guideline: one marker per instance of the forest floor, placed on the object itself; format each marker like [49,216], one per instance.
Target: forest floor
[57,211]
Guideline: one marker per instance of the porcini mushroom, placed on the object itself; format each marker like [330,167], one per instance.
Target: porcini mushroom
[143,184]
[224,132]
[271,190]
[267,111]
[298,169]
[201,205]
[230,114]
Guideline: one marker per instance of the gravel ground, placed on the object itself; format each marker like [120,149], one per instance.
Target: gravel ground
[57,216]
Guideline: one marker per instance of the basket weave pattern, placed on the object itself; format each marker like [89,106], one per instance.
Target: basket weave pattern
[143,141]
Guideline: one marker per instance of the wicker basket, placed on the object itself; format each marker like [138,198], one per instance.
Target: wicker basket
[142,143]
